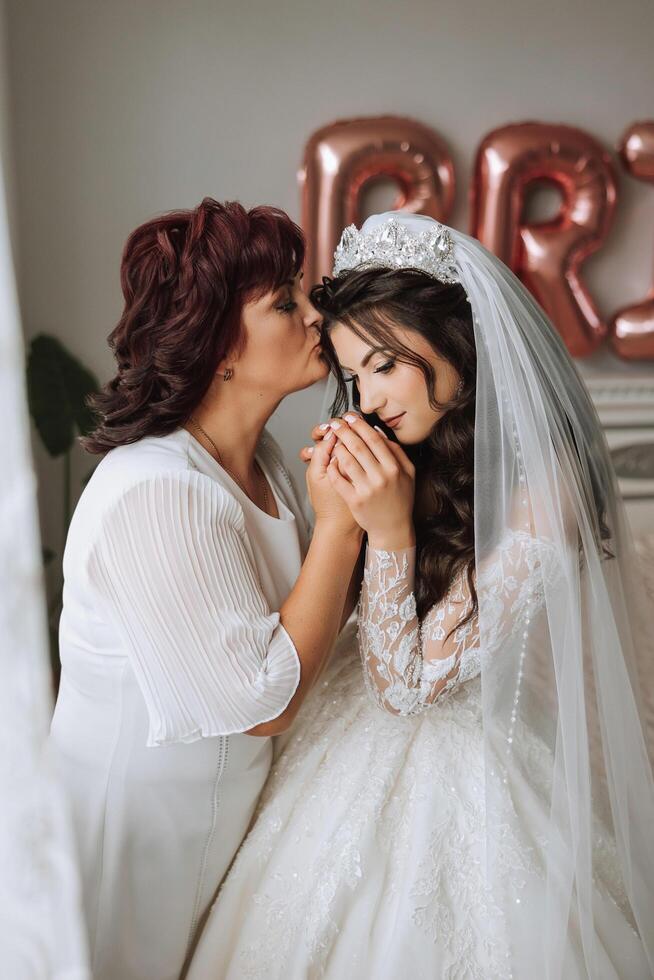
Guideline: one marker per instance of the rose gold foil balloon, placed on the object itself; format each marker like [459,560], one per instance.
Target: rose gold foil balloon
[632,328]
[547,256]
[342,159]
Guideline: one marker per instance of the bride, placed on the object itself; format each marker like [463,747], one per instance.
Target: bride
[471,798]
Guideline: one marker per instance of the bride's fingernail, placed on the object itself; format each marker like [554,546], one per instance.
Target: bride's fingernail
[330,436]
[381,432]
[324,426]
[309,450]
[351,418]
[334,425]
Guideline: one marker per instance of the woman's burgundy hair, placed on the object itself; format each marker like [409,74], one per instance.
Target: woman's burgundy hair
[185,277]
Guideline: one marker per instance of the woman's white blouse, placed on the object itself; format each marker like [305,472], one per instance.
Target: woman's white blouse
[171,649]
[167,560]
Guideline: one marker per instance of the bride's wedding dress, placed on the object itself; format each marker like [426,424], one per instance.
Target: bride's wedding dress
[367,857]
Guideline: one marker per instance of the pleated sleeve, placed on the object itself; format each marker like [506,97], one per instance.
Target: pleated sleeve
[176,574]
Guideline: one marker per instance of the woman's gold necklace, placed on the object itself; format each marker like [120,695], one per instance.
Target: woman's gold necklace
[262,479]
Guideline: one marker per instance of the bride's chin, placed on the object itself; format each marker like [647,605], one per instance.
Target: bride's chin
[413,438]
[409,438]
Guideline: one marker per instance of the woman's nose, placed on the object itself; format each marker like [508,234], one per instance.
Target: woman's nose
[369,400]
[310,315]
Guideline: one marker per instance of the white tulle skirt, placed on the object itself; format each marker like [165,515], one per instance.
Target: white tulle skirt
[366,859]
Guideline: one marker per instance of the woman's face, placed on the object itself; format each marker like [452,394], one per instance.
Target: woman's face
[395,391]
[281,350]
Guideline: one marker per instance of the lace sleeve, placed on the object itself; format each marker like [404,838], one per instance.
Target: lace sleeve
[409,664]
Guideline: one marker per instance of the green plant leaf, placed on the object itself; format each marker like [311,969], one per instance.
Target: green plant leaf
[57,388]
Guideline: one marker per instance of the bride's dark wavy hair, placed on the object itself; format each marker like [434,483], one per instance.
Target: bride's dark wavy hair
[371,302]
[185,277]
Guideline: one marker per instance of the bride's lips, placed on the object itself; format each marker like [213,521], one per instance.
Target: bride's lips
[394,420]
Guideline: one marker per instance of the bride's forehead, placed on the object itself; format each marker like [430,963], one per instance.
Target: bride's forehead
[346,341]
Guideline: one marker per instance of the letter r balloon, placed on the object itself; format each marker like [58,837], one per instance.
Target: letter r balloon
[547,256]
[342,159]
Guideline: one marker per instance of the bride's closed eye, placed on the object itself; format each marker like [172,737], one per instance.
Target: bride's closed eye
[382,369]
[385,367]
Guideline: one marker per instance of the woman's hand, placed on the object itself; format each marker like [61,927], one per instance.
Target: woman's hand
[318,433]
[376,479]
[328,506]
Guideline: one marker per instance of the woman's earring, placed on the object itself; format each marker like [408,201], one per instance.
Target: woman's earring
[459,388]
[228,375]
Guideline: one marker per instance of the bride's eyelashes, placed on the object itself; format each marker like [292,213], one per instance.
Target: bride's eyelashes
[382,369]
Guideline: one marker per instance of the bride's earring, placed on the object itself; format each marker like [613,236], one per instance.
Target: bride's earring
[459,388]
[228,375]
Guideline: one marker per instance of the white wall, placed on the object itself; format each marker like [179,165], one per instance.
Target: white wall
[123,108]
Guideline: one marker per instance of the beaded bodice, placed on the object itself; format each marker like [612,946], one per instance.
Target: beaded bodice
[410,664]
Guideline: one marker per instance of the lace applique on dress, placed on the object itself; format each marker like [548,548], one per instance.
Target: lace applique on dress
[410,664]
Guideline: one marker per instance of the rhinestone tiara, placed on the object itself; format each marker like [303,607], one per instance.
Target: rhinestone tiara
[392,246]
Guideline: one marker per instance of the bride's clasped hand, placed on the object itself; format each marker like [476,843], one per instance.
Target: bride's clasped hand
[375,478]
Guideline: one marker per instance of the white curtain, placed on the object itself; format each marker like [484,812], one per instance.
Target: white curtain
[41,929]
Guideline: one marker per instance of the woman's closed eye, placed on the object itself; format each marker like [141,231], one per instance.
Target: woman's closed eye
[287,307]
[382,369]
[385,367]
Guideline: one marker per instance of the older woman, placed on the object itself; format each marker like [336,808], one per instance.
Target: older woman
[196,613]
